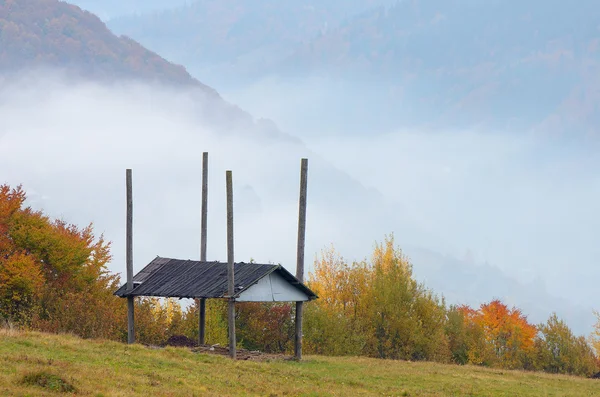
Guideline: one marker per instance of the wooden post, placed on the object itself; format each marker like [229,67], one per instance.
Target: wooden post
[129,259]
[300,254]
[204,206]
[204,226]
[202,322]
[230,265]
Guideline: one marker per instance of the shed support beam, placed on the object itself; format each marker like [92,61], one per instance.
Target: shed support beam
[230,266]
[203,238]
[129,258]
[202,322]
[130,321]
[300,254]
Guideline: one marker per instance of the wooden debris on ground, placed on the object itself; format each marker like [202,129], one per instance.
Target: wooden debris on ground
[242,354]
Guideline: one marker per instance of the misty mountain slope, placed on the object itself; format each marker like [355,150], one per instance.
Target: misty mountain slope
[234,37]
[462,280]
[461,63]
[43,33]
[433,64]
[107,9]
[57,36]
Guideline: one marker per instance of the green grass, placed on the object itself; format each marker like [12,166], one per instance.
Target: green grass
[47,381]
[35,364]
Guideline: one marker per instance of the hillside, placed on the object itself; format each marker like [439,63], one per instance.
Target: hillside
[107,9]
[51,36]
[235,37]
[51,33]
[424,63]
[463,63]
[112,369]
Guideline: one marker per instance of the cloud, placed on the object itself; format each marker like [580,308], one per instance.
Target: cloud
[71,143]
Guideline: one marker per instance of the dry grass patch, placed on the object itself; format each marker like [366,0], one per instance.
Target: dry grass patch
[48,381]
[103,368]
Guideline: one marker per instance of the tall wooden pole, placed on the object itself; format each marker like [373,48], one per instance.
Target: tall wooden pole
[204,226]
[129,258]
[300,254]
[230,265]
[204,206]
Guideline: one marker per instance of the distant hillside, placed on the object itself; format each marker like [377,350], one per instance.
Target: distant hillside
[51,33]
[462,62]
[231,33]
[107,9]
[434,63]
[450,275]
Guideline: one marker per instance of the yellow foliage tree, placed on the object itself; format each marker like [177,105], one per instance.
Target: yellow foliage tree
[406,320]
[596,334]
[560,351]
[375,308]
[333,323]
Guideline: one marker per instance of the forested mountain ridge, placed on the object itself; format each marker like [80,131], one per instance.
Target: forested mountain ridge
[462,62]
[236,35]
[50,33]
[55,36]
[421,63]
[107,9]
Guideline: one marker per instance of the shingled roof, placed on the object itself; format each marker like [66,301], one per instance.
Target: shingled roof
[176,278]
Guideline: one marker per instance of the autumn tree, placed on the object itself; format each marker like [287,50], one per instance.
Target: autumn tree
[560,351]
[53,275]
[508,332]
[268,327]
[157,319]
[492,335]
[216,322]
[456,334]
[21,276]
[466,338]
[374,308]
[334,323]
[405,320]
[595,339]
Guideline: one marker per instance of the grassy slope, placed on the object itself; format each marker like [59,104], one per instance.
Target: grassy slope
[100,368]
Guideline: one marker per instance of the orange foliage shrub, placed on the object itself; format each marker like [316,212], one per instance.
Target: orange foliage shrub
[53,275]
[509,338]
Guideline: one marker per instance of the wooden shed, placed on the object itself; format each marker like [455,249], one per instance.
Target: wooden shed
[176,278]
[202,280]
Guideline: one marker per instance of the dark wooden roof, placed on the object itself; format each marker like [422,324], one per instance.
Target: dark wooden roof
[176,278]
